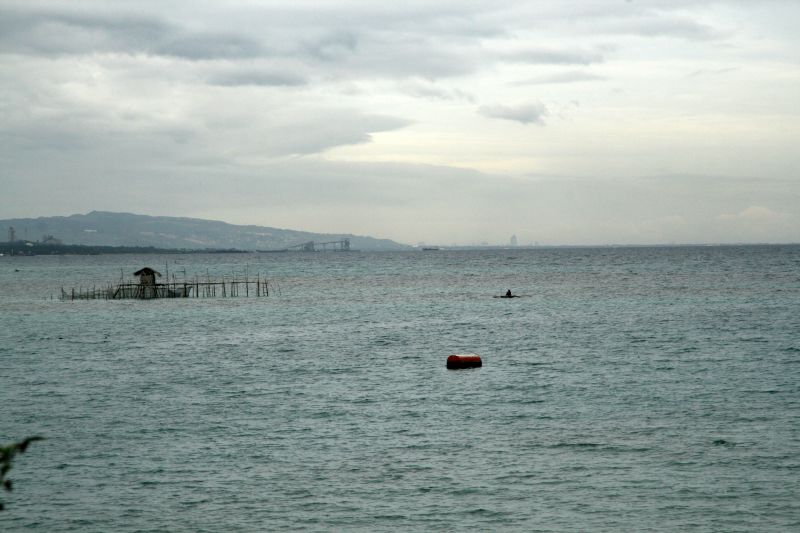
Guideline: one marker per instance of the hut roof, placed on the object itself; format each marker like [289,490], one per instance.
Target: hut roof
[146,270]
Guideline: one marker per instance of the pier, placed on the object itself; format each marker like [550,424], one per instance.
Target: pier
[342,245]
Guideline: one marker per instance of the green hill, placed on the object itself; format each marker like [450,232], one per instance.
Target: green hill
[100,228]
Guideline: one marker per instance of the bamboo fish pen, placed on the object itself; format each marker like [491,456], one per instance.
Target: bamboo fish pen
[149,289]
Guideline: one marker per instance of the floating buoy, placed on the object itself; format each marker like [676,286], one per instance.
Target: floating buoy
[464,361]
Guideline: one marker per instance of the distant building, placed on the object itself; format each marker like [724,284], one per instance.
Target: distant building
[12,235]
[513,241]
[49,239]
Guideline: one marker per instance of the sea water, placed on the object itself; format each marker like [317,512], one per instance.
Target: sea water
[628,389]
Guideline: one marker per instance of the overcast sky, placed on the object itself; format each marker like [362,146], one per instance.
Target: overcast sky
[562,122]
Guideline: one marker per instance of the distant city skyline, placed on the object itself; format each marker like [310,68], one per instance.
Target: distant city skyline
[596,122]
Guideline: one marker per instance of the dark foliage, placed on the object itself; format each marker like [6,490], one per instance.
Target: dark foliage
[7,454]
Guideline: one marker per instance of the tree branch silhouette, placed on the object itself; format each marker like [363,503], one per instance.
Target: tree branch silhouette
[7,454]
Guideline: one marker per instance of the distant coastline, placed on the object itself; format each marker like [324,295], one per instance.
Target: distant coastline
[27,248]
[505,247]
[24,248]
[189,235]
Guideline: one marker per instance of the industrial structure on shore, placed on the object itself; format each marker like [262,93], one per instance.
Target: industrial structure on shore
[342,245]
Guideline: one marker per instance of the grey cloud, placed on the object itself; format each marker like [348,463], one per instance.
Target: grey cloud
[63,32]
[551,56]
[571,76]
[248,131]
[343,53]
[711,72]
[317,134]
[442,18]
[241,130]
[533,113]
[413,59]
[678,27]
[371,183]
[210,46]
[76,132]
[257,78]
[657,25]
[332,46]
[616,17]
[431,42]
[351,41]
[284,185]
[434,92]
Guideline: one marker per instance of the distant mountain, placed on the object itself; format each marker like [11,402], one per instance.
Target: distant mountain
[101,228]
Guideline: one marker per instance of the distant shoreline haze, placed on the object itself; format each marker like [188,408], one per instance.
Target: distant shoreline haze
[103,232]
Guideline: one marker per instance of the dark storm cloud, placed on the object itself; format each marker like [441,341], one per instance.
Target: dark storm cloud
[533,113]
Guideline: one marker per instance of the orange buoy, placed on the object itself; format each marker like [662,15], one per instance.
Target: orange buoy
[464,361]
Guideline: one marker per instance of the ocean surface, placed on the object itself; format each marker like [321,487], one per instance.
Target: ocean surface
[629,389]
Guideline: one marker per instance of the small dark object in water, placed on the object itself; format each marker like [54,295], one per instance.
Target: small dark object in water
[722,442]
[508,295]
[464,361]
